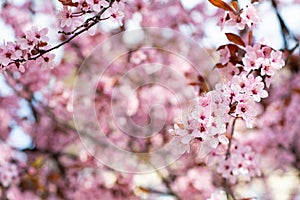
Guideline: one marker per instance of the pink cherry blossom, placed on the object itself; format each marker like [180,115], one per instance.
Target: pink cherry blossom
[250,15]
[137,57]
[241,164]
[251,61]
[83,5]
[267,68]
[232,128]
[276,60]
[5,55]
[96,5]
[65,15]
[46,61]
[229,71]
[257,88]
[246,109]
[116,13]
[247,16]
[224,55]
[35,35]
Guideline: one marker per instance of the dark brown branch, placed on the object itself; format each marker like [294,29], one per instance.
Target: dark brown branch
[150,190]
[285,32]
[228,192]
[94,20]
[230,139]
[168,185]
[29,100]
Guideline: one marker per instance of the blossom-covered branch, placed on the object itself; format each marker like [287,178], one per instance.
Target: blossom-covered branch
[34,45]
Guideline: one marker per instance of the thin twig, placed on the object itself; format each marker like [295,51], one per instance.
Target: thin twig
[228,193]
[230,139]
[284,29]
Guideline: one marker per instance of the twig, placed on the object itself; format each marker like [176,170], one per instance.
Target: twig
[167,184]
[230,139]
[150,190]
[284,29]
[228,193]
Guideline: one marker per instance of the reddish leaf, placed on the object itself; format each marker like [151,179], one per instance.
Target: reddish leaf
[34,52]
[232,47]
[236,53]
[221,4]
[219,65]
[296,90]
[42,44]
[235,39]
[250,37]
[194,83]
[252,198]
[68,3]
[203,85]
[235,5]
[143,189]
[228,135]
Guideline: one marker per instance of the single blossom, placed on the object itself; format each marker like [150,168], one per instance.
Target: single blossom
[251,61]
[47,61]
[224,55]
[257,88]
[266,68]
[250,15]
[36,36]
[66,17]
[116,13]
[97,5]
[276,60]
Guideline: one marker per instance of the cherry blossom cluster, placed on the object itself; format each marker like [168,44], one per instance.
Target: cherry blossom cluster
[243,92]
[246,71]
[242,163]
[74,13]
[8,167]
[259,57]
[263,58]
[247,16]
[39,103]
[236,97]
[94,5]
[30,47]
[205,123]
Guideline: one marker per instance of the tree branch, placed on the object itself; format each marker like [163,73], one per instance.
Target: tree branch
[89,23]
[229,193]
[285,32]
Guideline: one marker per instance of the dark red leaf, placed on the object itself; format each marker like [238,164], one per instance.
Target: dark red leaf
[235,5]
[68,3]
[232,47]
[221,4]
[203,85]
[219,65]
[235,39]
[250,37]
